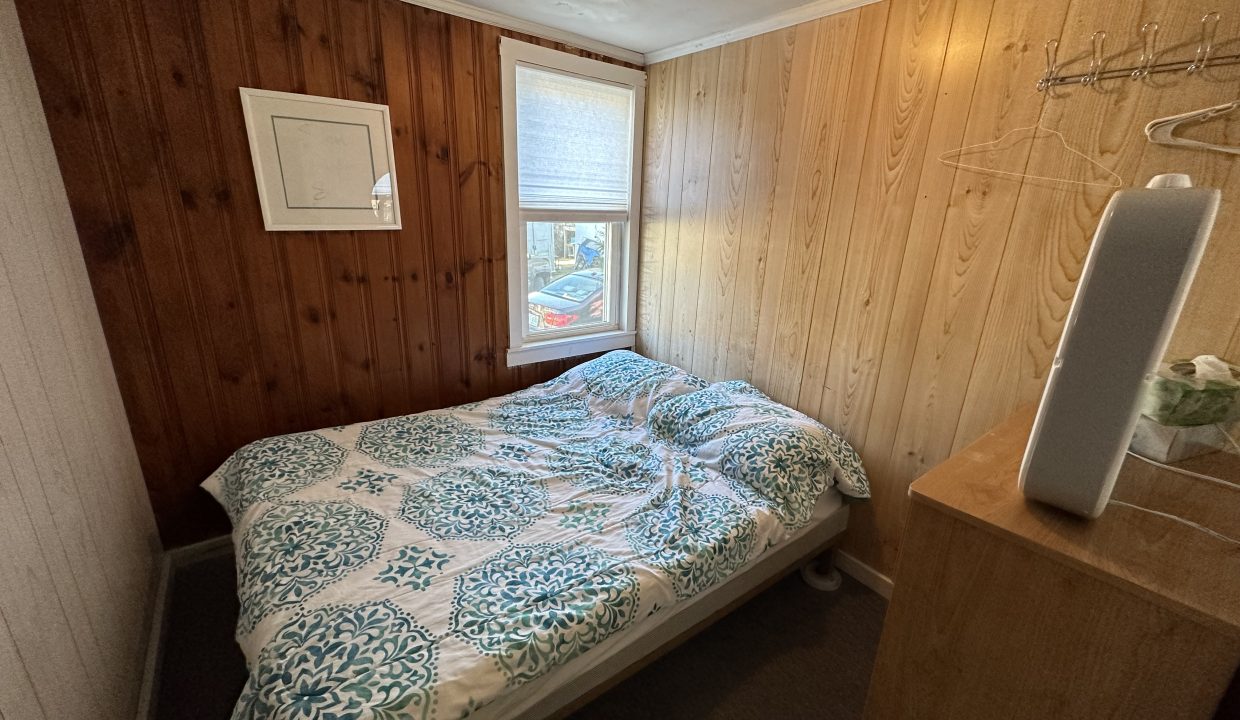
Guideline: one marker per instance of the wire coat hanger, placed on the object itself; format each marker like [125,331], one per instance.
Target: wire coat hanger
[1162,130]
[951,158]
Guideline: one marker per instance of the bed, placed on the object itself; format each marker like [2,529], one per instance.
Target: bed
[511,557]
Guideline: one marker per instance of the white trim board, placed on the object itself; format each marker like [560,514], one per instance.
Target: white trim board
[864,574]
[149,689]
[810,11]
[508,22]
[621,288]
[169,562]
[209,548]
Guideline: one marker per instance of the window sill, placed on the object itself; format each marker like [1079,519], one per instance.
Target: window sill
[569,347]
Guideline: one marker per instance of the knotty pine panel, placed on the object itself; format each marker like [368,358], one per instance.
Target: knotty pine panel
[220,332]
[910,305]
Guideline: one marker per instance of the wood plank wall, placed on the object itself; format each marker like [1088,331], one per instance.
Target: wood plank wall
[800,232]
[77,538]
[223,333]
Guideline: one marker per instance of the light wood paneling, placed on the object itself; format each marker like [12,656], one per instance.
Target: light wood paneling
[77,538]
[908,304]
[223,333]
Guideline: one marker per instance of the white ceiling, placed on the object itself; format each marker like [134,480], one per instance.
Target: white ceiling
[640,25]
[658,28]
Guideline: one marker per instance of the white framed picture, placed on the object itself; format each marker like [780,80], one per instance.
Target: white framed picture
[321,163]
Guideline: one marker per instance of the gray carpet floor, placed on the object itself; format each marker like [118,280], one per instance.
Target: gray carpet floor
[792,652]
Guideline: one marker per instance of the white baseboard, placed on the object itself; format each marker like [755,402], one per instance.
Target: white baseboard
[155,641]
[864,574]
[187,554]
[168,564]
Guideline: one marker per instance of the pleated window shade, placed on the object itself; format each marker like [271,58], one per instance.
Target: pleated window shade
[573,142]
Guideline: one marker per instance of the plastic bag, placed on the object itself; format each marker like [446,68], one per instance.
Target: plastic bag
[1203,391]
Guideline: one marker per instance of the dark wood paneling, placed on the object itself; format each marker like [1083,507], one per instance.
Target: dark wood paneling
[221,332]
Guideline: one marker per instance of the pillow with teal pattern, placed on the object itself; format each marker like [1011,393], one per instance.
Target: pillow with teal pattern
[767,451]
[692,420]
[624,380]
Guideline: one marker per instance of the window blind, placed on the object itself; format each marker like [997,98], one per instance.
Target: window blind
[573,142]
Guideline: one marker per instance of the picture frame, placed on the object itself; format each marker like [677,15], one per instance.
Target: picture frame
[321,163]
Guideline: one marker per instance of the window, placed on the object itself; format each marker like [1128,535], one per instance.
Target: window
[572,152]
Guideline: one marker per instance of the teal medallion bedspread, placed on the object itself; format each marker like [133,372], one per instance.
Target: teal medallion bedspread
[423,566]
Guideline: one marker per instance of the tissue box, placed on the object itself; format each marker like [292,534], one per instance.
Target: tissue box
[1166,443]
[1202,391]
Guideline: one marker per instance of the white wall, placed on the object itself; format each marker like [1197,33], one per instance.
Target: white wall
[77,539]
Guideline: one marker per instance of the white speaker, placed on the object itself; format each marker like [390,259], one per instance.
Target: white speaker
[1132,288]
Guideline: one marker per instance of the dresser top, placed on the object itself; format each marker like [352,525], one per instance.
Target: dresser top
[1172,564]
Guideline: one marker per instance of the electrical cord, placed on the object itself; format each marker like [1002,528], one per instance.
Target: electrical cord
[1188,473]
[1177,518]
[1234,443]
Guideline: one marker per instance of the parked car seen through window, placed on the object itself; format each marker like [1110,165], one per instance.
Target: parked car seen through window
[573,300]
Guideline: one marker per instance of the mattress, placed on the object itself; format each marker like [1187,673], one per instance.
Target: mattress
[434,565]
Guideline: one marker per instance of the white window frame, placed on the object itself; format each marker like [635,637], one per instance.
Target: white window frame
[622,261]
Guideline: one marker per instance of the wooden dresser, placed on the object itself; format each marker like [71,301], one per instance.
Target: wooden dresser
[1004,608]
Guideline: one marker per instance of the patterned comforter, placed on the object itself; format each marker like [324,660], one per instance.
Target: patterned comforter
[422,566]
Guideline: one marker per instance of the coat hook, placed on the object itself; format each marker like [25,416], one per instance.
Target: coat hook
[1095,63]
[1052,67]
[1209,26]
[1149,36]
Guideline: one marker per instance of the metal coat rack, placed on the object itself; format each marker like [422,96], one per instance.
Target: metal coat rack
[1149,64]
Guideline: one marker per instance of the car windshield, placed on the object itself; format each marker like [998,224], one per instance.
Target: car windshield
[573,287]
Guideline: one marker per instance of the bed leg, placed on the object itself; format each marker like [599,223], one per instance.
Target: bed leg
[821,574]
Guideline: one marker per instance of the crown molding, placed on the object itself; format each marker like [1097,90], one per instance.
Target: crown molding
[508,22]
[810,11]
[788,18]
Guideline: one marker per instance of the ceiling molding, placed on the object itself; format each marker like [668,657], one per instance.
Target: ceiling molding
[810,11]
[508,22]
